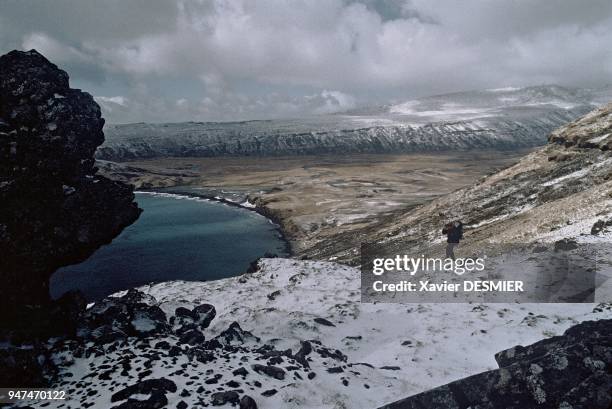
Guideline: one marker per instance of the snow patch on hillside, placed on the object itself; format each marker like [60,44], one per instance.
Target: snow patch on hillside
[364,355]
[432,344]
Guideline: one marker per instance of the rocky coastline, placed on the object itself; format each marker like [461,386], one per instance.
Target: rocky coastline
[56,209]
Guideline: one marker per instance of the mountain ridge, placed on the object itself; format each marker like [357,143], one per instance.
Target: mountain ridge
[460,121]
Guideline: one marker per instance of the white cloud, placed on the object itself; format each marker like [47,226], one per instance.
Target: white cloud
[53,49]
[119,100]
[222,107]
[240,58]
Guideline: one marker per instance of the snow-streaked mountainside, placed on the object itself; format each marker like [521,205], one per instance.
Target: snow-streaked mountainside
[499,118]
[356,355]
[561,191]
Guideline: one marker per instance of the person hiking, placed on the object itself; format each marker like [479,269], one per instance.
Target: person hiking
[454,233]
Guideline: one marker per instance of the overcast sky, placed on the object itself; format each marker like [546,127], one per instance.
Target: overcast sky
[164,60]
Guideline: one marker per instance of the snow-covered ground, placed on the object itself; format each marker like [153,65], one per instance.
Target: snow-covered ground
[391,350]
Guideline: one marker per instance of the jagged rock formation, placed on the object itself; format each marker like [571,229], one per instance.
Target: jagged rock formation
[568,371]
[55,209]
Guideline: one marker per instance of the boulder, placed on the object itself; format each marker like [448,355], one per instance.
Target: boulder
[182,312]
[323,321]
[204,314]
[135,314]
[247,403]
[201,316]
[235,335]
[200,355]
[269,370]
[221,398]
[192,337]
[145,387]
[240,372]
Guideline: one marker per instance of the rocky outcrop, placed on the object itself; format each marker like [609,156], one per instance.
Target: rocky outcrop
[119,318]
[568,371]
[55,209]
[591,131]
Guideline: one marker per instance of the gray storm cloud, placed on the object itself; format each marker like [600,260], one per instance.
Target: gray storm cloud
[157,60]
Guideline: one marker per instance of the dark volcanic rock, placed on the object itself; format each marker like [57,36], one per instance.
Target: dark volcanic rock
[300,356]
[240,372]
[269,392]
[271,371]
[145,387]
[235,335]
[182,312]
[323,321]
[192,337]
[565,245]
[132,315]
[247,403]
[201,316]
[29,367]
[55,209]
[588,331]
[568,371]
[221,398]
[200,355]
[204,314]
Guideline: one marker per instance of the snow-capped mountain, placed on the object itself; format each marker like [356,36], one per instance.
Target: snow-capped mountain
[496,118]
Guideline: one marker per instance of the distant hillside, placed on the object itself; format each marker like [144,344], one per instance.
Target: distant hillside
[562,191]
[489,119]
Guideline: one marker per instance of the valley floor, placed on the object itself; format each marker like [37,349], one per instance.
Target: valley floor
[326,205]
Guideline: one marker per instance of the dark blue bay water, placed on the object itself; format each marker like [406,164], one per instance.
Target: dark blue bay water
[174,239]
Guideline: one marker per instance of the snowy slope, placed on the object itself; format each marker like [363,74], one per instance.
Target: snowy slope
[378,352]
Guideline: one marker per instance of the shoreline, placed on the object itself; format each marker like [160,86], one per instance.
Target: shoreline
[275,221]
